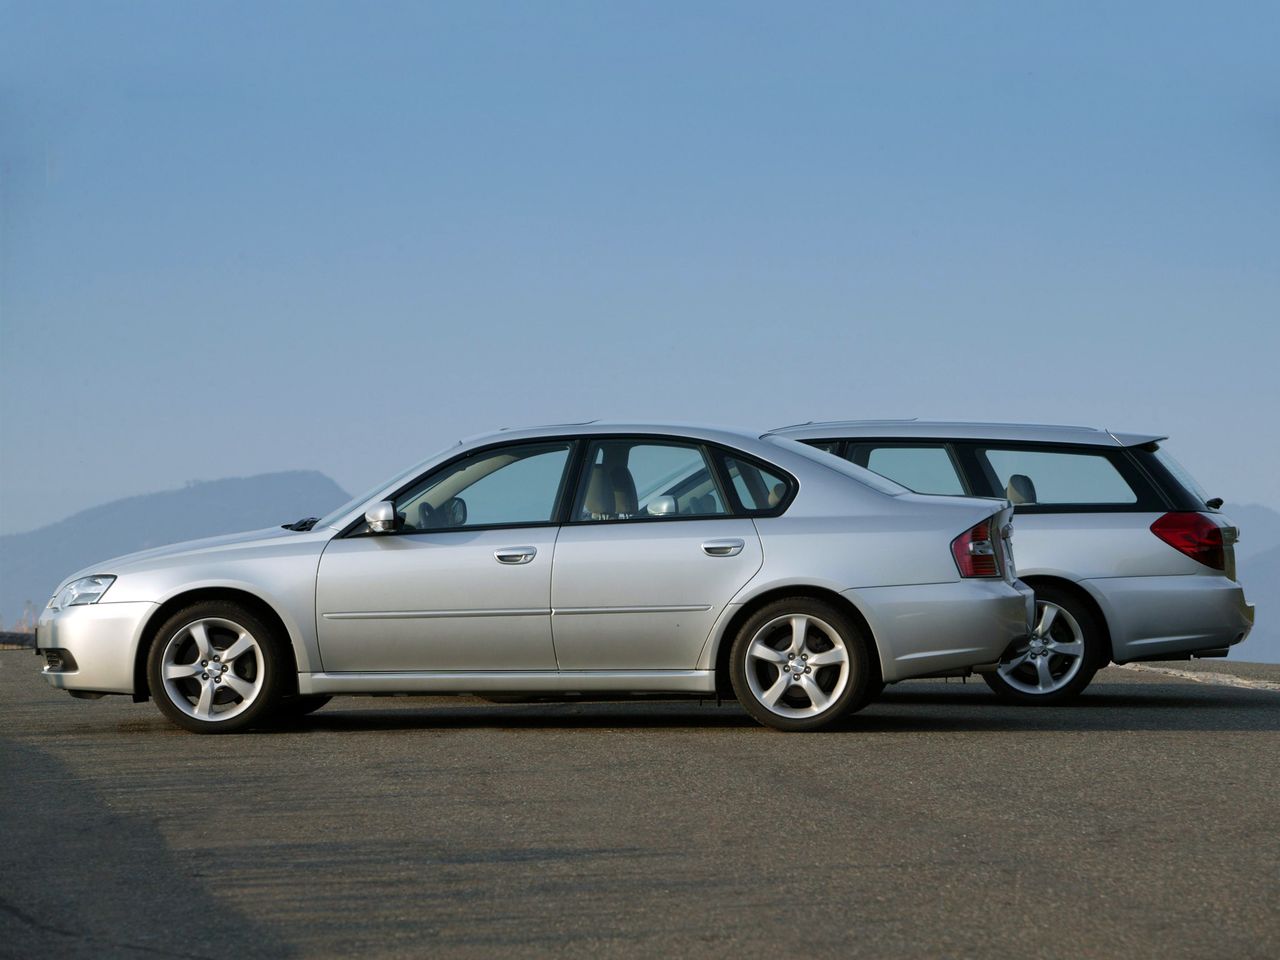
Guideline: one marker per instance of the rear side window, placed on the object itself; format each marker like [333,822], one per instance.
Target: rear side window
[927,468]
[758,489]
[1047,477]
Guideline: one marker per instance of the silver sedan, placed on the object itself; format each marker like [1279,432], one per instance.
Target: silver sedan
[582,560]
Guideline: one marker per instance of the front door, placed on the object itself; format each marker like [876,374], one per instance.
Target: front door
[464,584]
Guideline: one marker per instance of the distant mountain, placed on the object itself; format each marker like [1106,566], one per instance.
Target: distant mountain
[33,564]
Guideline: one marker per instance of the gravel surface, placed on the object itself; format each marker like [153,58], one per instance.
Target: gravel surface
[1141,822]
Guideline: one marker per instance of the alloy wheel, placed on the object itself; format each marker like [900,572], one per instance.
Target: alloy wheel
[213,669]
[797,666]
[1050,658]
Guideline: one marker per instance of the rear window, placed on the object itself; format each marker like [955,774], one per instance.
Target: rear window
[1031,477]
[1179,473]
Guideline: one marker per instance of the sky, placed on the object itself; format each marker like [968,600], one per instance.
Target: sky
[245,237]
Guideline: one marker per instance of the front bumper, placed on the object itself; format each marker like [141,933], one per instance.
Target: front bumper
[930,628]
[96,644]
[1154,617]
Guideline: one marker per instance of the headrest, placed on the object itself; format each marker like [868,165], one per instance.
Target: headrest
[1020,489]
[599,499]
[777,493]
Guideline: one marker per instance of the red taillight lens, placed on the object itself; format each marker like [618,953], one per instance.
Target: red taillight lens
[975,552]
[1193,534]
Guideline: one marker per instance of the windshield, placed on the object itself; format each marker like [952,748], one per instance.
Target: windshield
[402,477]
[862,475]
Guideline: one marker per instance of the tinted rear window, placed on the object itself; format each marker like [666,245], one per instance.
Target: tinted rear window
[1058,477]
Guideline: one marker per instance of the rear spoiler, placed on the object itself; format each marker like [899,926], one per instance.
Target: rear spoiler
[1135,439]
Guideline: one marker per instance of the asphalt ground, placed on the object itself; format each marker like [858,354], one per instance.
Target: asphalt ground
[1141,822]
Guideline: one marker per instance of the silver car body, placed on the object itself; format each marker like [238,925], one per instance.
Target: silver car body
[631,607]
[1157,603]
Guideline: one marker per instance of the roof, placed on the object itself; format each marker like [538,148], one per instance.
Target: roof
[964,430]
[589,428]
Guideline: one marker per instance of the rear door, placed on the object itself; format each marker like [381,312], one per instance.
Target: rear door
[650,557]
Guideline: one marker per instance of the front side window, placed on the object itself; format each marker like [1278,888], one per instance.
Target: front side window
[927,468]
[511,485]
[1031,477]
[640,479]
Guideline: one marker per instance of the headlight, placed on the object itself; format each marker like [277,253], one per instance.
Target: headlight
[84,590]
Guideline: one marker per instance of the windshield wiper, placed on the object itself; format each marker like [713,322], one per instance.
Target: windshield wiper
[305,524]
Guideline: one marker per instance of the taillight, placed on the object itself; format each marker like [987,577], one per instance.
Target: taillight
[975,552]
[1193,534]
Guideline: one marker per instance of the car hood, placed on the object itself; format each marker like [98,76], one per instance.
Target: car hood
[142,559]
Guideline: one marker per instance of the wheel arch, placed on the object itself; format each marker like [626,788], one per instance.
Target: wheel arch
[251,601]
[724,640]
[1082,594]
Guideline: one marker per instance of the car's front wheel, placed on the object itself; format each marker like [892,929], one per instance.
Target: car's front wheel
[1060,657]
[798,664]
[215,668]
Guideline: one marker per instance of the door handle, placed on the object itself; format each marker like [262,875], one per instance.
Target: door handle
[723,548]
[515,554]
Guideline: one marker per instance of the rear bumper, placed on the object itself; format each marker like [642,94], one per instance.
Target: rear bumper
[96,643]
[1154,617]
[930,628]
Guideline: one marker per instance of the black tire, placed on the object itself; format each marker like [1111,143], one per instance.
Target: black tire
[258,669]
[755,678]
[1016,686]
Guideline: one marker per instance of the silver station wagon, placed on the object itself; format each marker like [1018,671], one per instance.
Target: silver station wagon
[1128,558]
[586,560]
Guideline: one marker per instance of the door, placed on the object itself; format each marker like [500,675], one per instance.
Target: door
[649,559]
[463,584]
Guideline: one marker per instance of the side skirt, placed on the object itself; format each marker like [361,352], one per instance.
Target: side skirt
[558,682]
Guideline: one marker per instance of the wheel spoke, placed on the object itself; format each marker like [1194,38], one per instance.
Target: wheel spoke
[180,671]
[774,693]
[243,642]
[799,630]
[827,657]
[1044,679]
[1048,614]
[817,696]
[1073,649]
[762,651]
[1013,664]
[241,686]
[204,707]
[200,635]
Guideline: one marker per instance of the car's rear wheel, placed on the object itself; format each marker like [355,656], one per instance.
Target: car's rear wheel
[215,668]
[1060,657]
[798,664]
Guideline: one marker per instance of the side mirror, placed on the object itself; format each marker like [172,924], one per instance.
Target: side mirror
[662,507]
[381,517]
